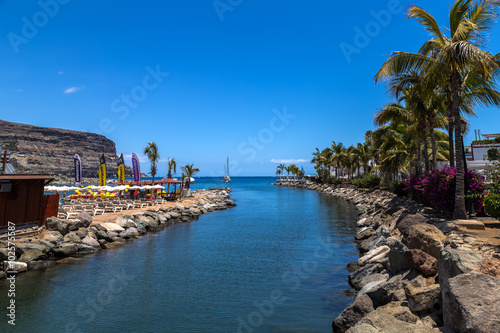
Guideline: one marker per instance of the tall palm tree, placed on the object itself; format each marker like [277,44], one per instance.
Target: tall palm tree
[280,168]
[189,171]
[337,151]
[172,164]
[452,56]
[151,151]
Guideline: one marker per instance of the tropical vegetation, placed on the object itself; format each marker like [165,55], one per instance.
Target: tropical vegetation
[434,90]
[172,165]
[189,171]
[151,152]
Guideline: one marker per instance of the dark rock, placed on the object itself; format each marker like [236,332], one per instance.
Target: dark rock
[103,235]
[85,219]
[364,245]
[405,221]
[85,249]
[472,304]
[48,245]
[397,259]
[387,291]
[355,279]
[4,254]
[364,233]
[353,267]
[427,238]
[65,250]
[422,262]
[56,224]
[32,255]
[352,314]
[72,237]
[82,233]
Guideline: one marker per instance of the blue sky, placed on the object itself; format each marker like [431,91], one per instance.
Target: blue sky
[259,81]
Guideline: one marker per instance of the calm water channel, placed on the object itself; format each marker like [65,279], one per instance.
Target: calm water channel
[274,263]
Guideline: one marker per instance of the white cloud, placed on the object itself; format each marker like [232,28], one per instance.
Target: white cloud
[288,161]
[142,158]
[72,90]
[60,72]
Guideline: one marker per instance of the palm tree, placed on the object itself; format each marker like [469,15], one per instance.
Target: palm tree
[280,169]
[337,150]
[452,56]
[172,164]
[151,151]
[189,171]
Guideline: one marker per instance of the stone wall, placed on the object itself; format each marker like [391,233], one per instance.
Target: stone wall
[416,271]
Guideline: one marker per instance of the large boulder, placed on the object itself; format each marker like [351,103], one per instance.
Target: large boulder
[453,262]
[405,221]
[423,298]
[111,227]
[85,219]
[90,241]
[364,233]
[472,303]
[32,255]
[427,238]
[379,321]
[359,308]
[422,262]
[54,237]
[57,224]
[356,277]
[376,255]
[65,250]
[397,259]
[72,237]
[129,233]
[388,291]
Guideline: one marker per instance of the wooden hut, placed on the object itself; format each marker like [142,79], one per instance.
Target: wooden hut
[22,199]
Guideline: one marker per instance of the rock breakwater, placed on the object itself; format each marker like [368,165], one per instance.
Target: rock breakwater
[417,271]
[63,241]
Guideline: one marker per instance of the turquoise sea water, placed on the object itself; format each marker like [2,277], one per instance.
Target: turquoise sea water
[274,263]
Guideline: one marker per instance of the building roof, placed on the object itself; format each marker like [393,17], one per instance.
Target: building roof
[25,177]
[490,135]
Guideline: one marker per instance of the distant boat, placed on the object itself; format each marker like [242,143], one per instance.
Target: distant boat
[226,178]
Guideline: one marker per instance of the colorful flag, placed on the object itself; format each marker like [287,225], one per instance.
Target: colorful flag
[102,171]
[121,169]
[78,170]
[136,168]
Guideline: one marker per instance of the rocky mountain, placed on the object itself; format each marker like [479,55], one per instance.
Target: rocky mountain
[34,149]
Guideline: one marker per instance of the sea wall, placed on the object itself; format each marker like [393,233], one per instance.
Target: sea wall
[63,241]
[417,271]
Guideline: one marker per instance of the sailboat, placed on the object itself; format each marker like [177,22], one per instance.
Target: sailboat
[226,178]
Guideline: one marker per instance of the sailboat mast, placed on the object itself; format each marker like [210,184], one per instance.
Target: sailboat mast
[228,166]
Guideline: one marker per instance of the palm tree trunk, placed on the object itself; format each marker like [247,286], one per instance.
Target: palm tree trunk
[451,125]
[419,157]
[433,141]
[459,212]
[426,151]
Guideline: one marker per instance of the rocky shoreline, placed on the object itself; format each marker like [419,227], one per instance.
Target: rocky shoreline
[63,241]
[417,271]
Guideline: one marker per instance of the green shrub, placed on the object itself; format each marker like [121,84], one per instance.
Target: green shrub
[366,181]
[492,205]
[335,181]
